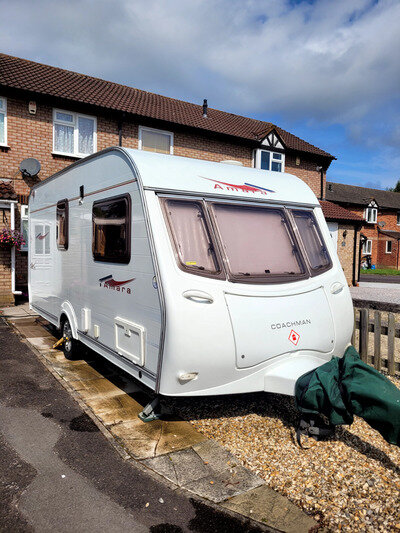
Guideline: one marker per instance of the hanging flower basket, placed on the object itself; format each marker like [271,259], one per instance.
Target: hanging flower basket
[10,238]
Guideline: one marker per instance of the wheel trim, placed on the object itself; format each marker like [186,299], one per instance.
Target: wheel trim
[67,334]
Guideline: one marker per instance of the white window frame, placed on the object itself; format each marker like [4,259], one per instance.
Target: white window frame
[257,159]
[24,216]
[4,112]
[153,130]
[367,247]
[74,124]
[374,212]
[391,247]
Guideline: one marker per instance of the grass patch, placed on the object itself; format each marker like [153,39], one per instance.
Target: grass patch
[381,271]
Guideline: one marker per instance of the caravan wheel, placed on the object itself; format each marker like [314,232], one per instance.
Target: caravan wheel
[70,346]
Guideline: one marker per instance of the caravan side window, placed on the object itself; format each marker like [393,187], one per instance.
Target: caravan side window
[62,224]
[42,239]
[314,245]
[112,229]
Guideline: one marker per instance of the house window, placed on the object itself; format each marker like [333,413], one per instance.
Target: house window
[24,227]
[62,228]
[3,121]
[74,134]
[267,160]
[112,229]
[398,218]
[371,215]
[158,141]
[388,247]
[367,247]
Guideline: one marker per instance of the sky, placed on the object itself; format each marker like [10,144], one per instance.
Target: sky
[325,70]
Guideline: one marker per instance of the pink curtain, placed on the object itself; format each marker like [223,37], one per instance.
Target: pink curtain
[191,236]
[256,240]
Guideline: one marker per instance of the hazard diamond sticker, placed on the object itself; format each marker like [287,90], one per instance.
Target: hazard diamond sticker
[294,337]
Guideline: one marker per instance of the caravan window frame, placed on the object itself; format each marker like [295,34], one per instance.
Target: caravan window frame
[310,212]
[126,258]
[218,274]
[62,247]
[265,279]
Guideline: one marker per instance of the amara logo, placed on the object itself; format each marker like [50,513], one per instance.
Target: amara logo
[41,237]
[108,282]
[247,187]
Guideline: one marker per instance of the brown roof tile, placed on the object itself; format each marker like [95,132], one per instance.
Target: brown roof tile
[43,79]
[6,191]
[336,212]
[352,194]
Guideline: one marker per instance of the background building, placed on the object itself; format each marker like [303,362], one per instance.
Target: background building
[58,116]
[380,213]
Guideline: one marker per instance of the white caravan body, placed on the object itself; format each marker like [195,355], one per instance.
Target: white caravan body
[197,278]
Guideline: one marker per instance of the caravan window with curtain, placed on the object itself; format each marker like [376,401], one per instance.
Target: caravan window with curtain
[112,229]
[258,243]
[62,225]
[314,245]
[191,236]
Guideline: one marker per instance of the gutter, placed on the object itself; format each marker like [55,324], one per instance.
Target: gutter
[12,204]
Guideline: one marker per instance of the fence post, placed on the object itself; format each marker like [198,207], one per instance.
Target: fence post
[391,333]
[377,340]
[353,336]
[364,334]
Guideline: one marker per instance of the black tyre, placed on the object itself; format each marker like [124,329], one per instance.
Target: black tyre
[70,345]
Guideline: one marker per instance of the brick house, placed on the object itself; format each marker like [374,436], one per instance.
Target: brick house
[58,116]
[380,212]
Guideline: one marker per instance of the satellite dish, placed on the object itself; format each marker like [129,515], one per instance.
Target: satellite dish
[29,167]
[382,224]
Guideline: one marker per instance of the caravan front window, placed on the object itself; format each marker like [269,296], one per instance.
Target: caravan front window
[112,229]
[258,243]
[191,237]
[311,237]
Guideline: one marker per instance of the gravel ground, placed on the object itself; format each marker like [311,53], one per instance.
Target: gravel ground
[348,483]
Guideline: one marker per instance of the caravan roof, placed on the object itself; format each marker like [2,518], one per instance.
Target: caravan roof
[167,173]
[159,171]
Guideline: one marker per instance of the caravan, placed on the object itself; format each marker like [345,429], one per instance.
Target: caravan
[197,278]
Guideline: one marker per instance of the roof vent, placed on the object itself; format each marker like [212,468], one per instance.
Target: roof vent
[205,108]
[330,187]
[232,162]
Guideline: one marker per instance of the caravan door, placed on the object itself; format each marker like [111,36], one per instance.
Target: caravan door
[41,264]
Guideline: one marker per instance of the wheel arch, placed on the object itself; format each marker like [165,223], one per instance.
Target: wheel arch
[67,311]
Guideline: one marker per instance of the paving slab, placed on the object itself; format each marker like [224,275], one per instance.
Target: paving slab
[101,388]
[269,507]
[121,408]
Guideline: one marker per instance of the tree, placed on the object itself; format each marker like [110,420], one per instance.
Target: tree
[396,188]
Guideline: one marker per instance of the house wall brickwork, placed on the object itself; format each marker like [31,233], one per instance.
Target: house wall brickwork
[346,251]
[32,136]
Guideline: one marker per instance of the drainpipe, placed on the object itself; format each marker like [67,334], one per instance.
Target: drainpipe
[355,269]
[12,208]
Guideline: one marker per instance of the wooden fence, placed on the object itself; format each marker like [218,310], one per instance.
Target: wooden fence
[372,322]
